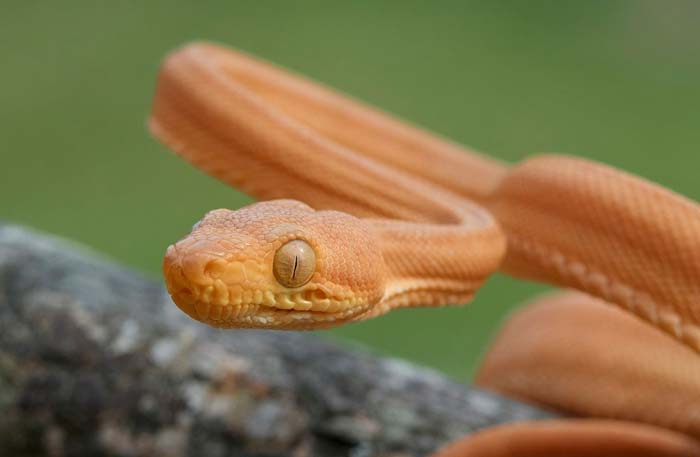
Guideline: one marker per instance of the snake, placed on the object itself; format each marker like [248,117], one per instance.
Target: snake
[361,213]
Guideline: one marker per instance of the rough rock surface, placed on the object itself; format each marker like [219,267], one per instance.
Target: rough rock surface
[95,360]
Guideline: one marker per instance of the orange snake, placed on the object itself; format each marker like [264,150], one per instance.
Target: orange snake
[403,218]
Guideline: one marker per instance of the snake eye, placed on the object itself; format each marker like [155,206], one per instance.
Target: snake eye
[294,263]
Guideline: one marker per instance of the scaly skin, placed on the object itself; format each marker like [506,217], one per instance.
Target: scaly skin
[422,245]
[412,233]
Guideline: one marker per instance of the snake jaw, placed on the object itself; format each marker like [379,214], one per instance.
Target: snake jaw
[229,306]
[222,272]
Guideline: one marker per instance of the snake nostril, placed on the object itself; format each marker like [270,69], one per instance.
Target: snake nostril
[194,267]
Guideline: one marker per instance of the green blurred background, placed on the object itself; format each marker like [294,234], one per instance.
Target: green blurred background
[617,81]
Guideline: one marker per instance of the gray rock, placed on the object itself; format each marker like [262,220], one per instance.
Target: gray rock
[96,360]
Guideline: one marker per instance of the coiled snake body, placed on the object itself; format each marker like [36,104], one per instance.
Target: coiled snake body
[402,218]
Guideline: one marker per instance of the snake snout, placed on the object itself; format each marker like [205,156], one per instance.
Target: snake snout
[193,271]
[200,265]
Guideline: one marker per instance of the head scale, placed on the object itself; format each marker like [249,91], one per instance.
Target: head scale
[277,264]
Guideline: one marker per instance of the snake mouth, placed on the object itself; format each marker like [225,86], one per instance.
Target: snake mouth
[270,311]
[231,306]
[310,300]
[256,316]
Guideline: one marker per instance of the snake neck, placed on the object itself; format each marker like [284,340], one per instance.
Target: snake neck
[434,264]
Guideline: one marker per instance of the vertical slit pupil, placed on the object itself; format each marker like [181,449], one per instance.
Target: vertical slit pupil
[294,269]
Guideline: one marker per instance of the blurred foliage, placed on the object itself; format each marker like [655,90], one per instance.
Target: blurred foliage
[617,81]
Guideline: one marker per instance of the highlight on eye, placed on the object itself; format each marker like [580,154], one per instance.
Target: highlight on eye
[294,263]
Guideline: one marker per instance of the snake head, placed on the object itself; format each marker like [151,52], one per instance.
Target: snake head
[277,264]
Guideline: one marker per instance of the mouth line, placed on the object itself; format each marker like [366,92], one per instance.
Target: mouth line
[211,297]
[260,316]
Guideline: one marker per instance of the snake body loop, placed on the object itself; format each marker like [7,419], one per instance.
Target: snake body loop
[419,244]
[397,217]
